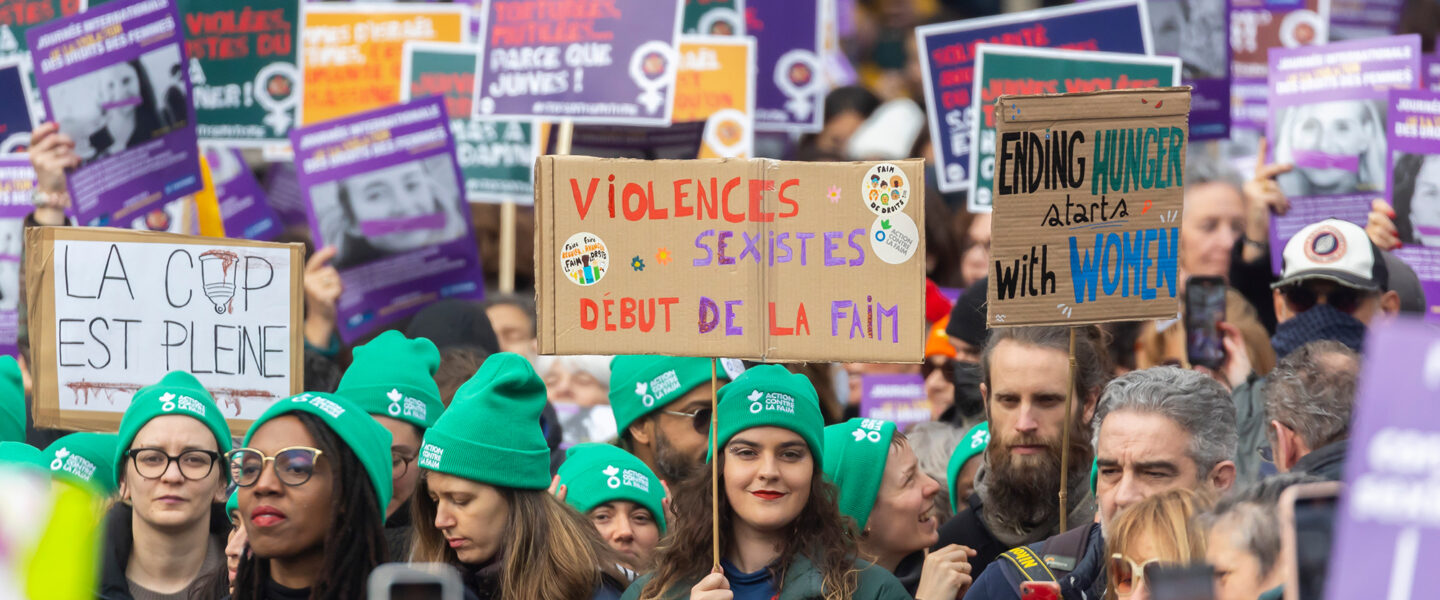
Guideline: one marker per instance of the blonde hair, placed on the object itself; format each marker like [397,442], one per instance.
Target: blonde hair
[1169,520]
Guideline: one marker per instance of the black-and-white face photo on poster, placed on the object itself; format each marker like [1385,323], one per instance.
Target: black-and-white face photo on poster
[371,215]
[123,105]
[1195,31]
[1337,147]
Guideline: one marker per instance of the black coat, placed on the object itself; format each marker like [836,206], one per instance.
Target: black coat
[968,529]
[115,554]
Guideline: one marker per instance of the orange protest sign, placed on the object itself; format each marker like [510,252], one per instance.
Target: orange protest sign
[714,84]
[352,53]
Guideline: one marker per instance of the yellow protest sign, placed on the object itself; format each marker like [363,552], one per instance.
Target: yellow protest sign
[714,85]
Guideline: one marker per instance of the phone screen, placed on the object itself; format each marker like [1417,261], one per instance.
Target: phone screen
[1181,582]
[427,590]
[1314,529]
[1204,309]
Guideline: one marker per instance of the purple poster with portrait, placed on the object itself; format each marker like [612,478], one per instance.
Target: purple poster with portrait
[243,209]
[17,183]
[899,399]
[1257,26]
[1327,117]
[1387,531]
[282,193]
[608,62]
[789,76]
[1430,63]
[1414,186]
[1198,31]
[947,64]
[114,78]
[15,119]
[384,189]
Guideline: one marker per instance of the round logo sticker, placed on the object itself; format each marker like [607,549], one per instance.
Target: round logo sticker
[885,189]
[584,258]
[1326,245]
[894,238]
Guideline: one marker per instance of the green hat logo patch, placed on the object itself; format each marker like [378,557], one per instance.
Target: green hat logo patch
[324,404]
[73,464]
[613,474]
[430,456]
[661,386]
[772,401]
[186,403]
[868,429]
[615,477]
[400,404]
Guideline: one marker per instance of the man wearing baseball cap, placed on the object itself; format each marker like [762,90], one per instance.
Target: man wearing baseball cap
[1334,284]
[662,410]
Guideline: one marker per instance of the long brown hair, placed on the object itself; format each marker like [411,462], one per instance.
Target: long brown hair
[550,552]
[684,556]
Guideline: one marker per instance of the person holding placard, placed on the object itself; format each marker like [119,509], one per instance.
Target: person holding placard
[781,530]
[167,535]
[508,536]
[314,481]
[662,410]
[622,497]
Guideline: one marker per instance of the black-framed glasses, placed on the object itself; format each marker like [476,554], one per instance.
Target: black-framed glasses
[152,463]
[700,419]
[293,466]
[400,464]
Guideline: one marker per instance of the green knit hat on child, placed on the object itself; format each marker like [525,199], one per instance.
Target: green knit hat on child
[86,459]
[177,393]
[491,431]
[594,474]
[770,396]
[369,440]
[855,455]
[641,384]
[394,376]
[970,446]
[12,401]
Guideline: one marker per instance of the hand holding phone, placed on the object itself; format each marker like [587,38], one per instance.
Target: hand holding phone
[1204,311]
[415,581]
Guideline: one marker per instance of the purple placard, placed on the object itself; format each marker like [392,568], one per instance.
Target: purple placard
[282,193]
[1430,63]
[1327,109]
[1414,186]
[1198,31]
[611,63]
[391,164]
[243,209]
[1387,534]
[1257,26]
[896,398]
[789,76]
[680,141]
[15,119]
[17,183]
[114,77]
[1360,19]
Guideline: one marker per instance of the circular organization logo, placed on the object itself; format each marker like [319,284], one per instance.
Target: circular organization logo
[895,238]
[756,407]
[394,408]
[800,74]
[886,189]
[1325,245]
[584,259]
[167,402]
[613,476]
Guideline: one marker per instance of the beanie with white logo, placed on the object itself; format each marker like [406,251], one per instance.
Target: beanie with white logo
[770,396]
[178,393]
[594,474]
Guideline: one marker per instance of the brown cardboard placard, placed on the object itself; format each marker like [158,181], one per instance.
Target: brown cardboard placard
[634,257]
[112,310]
[1061,215]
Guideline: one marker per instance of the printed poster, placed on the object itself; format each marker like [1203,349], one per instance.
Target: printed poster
[352,53]
[1198,31]
[1001,70]
[715,86]
[243,67]
[1360,19]
[715,17]
[17,184]
[947,61]
[282,193]
[1327,117]
[899,399]
[1413,134]
[677,142]
[383,187]
[15,121]
[790,80]
[497,156]
[610,63]
[1431,64]
[114,78]
[243,209]
[1256,26]
[16,18]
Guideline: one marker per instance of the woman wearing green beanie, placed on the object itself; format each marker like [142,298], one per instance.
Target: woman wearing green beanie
[314,480]
[780,530]
[623,498]
[483,505]
[891,506]
[167,535]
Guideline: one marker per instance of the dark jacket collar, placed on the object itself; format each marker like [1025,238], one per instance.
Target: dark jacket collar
[1327,461]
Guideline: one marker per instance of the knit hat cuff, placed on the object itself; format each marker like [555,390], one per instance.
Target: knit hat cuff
[495,465]
[865,448]
[399,401]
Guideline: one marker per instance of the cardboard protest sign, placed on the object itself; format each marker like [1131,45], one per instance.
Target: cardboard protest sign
[1098,178]
[497,156]
[1327,117]
[899,399]
[1413,185]
[1001,70]
[715,17]
[114,78]
[1256,27]
[383,187]
[753,259]
[242,203]
[604,62]
[111,311]
[17,183]
[242,63]
[947,59]
[351,57]
[716,85]
[1387,534]
[15,120]
[1360,19]
[1198,31]
[790,77]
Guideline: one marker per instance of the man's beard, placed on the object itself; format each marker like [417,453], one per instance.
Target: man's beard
[1024,490]
[671,464]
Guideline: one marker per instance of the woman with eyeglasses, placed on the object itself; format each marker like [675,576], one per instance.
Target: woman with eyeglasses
[314,481]
[483,506]
[1162,530]
[166,538]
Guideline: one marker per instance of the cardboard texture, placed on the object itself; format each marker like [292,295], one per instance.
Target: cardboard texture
[134,305]
[1087,228]
[754,259]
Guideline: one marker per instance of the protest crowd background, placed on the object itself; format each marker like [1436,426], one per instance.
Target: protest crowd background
[322,300]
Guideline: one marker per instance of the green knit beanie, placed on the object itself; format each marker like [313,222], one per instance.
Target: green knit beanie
[394,376]
[640,385]
[21,454]
[594,474]
[491,432]
[177,393]
[12,401]
[855,456]
[85,459]
[770,396]
[970,446]
[369,440]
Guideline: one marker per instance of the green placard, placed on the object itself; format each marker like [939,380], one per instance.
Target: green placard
[714,17]
[242,68]
[1001,70]
[18,16]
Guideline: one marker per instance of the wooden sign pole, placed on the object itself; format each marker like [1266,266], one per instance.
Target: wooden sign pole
[714,468]
[1065,438]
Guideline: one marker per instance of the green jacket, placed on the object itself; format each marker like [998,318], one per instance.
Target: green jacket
[802,582]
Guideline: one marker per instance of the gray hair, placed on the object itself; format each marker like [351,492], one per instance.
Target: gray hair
[1312,391]
[1251,512]
[933,443]
[1200,169]
[1195,402]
